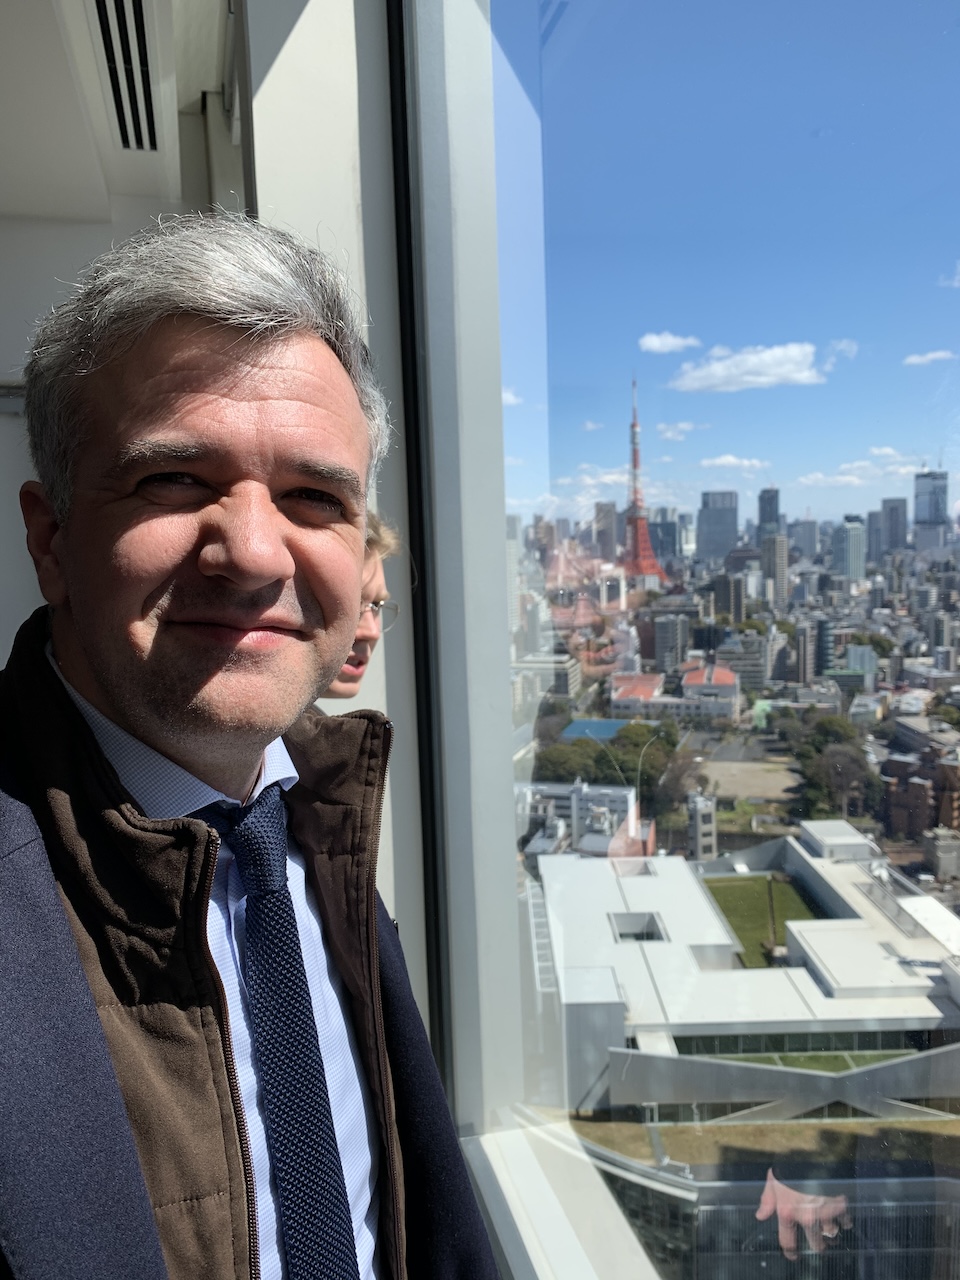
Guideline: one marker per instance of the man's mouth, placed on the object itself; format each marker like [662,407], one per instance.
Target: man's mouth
[242,632]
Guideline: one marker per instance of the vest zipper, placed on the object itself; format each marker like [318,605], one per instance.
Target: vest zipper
[392,1157]
[231,1065]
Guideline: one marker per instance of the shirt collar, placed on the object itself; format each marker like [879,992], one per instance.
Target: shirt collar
[161,788]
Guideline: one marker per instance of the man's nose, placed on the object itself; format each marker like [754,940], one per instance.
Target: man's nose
[244,540]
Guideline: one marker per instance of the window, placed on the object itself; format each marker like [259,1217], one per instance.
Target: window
[724,250]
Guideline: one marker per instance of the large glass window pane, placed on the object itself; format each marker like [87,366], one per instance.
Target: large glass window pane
[729,298]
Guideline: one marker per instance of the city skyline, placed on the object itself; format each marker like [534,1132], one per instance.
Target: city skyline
[777,267]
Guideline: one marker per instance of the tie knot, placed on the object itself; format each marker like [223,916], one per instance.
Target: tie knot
[257,834]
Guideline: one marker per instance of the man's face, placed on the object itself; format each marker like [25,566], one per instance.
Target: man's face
[206,583]
[374,589]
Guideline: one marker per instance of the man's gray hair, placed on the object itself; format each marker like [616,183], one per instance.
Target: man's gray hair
[226,268]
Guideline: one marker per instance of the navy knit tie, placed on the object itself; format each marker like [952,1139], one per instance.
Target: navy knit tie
[314,1209]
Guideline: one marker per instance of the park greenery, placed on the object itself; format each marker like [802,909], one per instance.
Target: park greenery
[833,765]
[666,774]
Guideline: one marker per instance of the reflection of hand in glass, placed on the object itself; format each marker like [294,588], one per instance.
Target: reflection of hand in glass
[821,1217]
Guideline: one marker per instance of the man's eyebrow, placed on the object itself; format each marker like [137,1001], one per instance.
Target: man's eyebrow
[324,473]
[160,452]
[163,453]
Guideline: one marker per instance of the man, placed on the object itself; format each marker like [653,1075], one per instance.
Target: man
[377,610]
[182,837]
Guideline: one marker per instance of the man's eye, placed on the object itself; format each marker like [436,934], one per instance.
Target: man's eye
[174,478]
[320,500]
[172,486]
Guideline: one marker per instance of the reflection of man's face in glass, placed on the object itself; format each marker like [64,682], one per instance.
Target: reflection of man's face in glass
[373,591]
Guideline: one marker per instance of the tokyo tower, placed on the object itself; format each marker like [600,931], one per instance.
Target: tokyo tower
[640,560]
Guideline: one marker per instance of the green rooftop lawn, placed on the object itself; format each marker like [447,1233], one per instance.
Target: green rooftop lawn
[829,1140]
[815,1061]
[743,901]
[823,1061]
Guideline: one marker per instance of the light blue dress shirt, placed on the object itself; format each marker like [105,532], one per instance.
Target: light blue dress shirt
[163,790]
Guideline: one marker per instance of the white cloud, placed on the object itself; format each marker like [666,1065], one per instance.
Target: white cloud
[951,282]
[929,357]
[790,364]
[731,460]
[513,462]
[510,398]
[861,465]
[883,451]
[679,430]
[901,469]
[839,347]
[666,458]
[844,481]
[592,426]
[666,343]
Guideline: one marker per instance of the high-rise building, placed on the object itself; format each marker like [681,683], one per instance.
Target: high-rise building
[768,512]
[716,524]
[806,652]
[803,535]
[773,565]
[825,656]
[605,529]
[562,526]
[931,522]
[893,524]
[874,537]
[729,596]
[671,640]
[513,572]
[850,548]
[664,534]
[930,497]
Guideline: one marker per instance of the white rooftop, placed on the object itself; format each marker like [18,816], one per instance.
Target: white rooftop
[859,968]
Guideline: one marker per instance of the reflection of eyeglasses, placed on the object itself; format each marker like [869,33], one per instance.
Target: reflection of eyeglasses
[384,611]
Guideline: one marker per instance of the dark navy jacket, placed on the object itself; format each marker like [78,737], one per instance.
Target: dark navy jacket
[73,1204]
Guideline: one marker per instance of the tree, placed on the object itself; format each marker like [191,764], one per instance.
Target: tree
[830,729]
[844,770]
[883,646]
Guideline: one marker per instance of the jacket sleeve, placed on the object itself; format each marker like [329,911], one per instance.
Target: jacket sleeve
[446,1236]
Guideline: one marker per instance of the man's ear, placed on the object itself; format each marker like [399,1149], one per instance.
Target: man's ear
[43,541]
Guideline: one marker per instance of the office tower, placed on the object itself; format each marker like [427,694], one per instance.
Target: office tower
[931,522]
[893,524]
[773,565]
[605,529]
[806,652]
[803,535]
[686,533]
[716,524]
[825,655]
[665,537]
[768,522]
[513,572]
[850,548]
[671,640]
[640,558]
[874,537]
[562,526]
[729,596]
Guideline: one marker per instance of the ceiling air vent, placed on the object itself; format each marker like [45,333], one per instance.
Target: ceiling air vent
[124,37]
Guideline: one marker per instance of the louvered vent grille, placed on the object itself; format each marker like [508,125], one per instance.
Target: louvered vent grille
[124,37]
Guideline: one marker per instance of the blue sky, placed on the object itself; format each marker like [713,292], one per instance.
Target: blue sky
[754,209]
